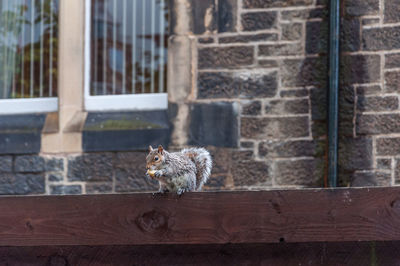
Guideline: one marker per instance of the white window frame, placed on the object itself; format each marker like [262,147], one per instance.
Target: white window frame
[28,105]
[148,101]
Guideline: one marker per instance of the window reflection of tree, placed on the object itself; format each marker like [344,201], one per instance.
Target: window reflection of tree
[105,50]
[28,48]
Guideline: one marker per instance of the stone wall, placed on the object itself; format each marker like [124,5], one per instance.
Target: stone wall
[248,80]
[89,173]
[269,59]
[369,128]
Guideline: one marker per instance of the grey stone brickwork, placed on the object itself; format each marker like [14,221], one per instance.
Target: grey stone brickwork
[369,101]
[263,66]
[273,64]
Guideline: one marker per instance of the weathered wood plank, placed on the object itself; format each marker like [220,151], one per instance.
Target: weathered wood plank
[285,254]
[202,218]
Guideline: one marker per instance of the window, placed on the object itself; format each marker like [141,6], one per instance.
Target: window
[28,56]
[126,54]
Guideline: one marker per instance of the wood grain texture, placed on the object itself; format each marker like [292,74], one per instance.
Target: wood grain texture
[202,218]
[285,254]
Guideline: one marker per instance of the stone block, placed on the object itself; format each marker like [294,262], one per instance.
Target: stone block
[304,14]
[238,155]
[319,128]
[388,146]
[370,21]
[360,69]
[54,164]
[265,63]
[130,169]
[250,173]
[98,188]
[260,84]
[274,128]
[258,20]
[319,103]
[133,130]
[126,181]
[361,7]
[215,183]
[392,82]
[392,11]
[385,38]
[288,149]
[305,72]
[214,124]
[350,40]
[91,167]
[22,184]
[55,177]
[227,15]
[236,85]
[317,37]
[368,90]
[21,134]
[65,190]
[22,123]
[19,143]
[371,179]
[210,16]
[29,163]
[377,103]
[277,107]
[222,160]
[374,124]
[204,16]
[384,164]
[251,107]
[304,172]
[275,3]
[346,114]
[294,93]
[217,85]
[280,49]
[392,61]
[246,144]
[5,164]
[225,57]
[292,31]
[261,37]
[355,154]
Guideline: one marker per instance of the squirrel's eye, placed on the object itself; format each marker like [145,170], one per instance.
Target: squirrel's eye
[156,158]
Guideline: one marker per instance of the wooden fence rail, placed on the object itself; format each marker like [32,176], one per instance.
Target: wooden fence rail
[311,221]
[315,215]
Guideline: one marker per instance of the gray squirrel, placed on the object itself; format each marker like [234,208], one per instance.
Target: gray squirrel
[179,172]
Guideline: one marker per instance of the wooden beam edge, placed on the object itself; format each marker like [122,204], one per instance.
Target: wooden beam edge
[237,217]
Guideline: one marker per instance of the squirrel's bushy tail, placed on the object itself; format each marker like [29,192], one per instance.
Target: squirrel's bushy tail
[202,159]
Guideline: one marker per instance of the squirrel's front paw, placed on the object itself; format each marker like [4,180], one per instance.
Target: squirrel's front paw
[180,191]
[158,173]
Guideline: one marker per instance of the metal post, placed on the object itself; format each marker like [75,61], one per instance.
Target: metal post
[333,91]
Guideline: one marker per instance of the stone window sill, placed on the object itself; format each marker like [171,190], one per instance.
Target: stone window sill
[21,134]
[124,131]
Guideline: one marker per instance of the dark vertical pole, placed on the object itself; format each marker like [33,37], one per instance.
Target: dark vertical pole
[333,91]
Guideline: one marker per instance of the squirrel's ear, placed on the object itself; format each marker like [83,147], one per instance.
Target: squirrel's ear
[160,149]
[150,148]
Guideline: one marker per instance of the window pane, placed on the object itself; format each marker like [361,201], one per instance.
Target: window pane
[28,48]
[129,46]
